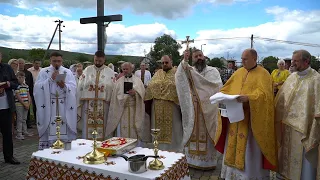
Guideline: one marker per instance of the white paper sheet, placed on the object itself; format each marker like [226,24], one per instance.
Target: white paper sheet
[234,109]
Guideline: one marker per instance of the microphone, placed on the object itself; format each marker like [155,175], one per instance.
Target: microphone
[57,68]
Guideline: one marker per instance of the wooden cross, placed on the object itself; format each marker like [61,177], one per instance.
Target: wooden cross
[187,41]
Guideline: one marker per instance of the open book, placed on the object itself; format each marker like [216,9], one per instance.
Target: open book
[61,77]
[234,109]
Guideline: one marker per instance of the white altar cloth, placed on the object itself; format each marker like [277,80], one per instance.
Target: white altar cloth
[118,171]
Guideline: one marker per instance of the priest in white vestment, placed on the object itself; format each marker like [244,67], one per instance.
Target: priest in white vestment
[46,89]
[195,85]
[298,120]
[165,110]
[93,96]
[127,111]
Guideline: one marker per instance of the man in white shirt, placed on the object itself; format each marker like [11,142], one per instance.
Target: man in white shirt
[143,74]
[35,69]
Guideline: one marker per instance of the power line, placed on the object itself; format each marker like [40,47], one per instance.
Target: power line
[149,42]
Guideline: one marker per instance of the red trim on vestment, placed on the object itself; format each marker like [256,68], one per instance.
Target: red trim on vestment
[222,141]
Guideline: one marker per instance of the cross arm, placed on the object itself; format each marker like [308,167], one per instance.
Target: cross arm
[98,19]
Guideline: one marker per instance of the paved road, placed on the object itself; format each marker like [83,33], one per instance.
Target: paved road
[24,148]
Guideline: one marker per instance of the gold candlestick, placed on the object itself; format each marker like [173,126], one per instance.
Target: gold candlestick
[156,164]
[94,157]
[58,144]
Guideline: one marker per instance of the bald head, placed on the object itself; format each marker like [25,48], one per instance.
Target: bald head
[126,68]
[166,63]
[249,58]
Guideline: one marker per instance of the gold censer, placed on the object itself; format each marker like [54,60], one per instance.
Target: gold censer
[58,144]
[156,164]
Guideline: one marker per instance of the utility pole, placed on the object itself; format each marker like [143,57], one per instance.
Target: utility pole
[60,31]
[54,33]
[251,41]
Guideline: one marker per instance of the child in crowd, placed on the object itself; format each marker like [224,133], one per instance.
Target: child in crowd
[23,101]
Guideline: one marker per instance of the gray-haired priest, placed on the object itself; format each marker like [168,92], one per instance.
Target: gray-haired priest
[55,88]
[127,111]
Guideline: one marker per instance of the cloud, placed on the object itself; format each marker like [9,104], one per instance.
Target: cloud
[170,9]
[17,32]
[287,25]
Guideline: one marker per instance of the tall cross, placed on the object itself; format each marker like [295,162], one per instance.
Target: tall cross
[187,41]
[100,19]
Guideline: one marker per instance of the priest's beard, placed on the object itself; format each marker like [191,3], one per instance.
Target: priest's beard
[98,65]
[166,69]
[200,64]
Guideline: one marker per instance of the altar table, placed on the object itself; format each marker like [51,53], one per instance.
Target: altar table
[68,165]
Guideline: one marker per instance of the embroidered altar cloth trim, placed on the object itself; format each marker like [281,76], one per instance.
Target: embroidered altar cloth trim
[119,169]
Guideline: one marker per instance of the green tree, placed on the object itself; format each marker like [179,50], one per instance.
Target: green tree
[164,45]
[315,63]
[216,62]
[16,55]
[270,62]
[46,63]
[82,58]
[37,54]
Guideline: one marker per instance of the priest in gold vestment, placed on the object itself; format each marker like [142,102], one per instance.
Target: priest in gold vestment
[127,111]
[165,111]
[249,146]
[195,85]
[94,94]
[298,120]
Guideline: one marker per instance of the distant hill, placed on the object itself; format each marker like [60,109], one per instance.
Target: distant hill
[70,57]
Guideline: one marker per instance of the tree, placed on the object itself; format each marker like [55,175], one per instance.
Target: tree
[216,62]
[16,55]
[37,54]
[315,63]
[46,63]
[164,45]
[270,62]
[82,58]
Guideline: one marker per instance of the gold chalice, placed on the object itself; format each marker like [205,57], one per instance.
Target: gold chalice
[156,164]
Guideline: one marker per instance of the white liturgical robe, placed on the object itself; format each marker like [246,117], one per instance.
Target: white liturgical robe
[45,94]
[199,116]
[94,87]
[127,113]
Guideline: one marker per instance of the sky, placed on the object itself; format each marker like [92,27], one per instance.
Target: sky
[221,27]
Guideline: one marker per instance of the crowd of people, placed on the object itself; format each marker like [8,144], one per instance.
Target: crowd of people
[279,131]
